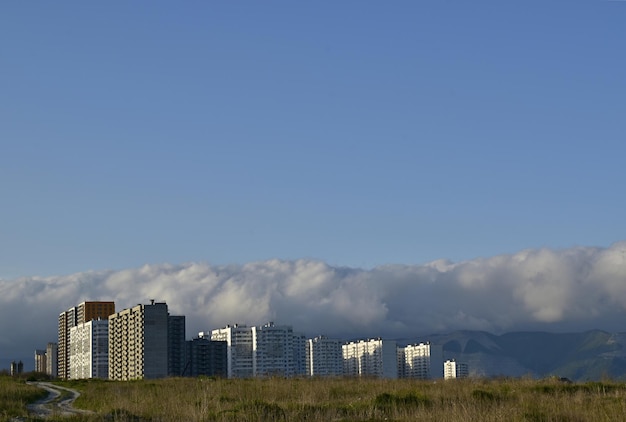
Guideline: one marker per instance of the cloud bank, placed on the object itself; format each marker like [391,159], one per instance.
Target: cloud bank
[573,289]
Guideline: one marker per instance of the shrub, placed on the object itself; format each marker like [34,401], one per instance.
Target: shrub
[388,402]
[485,396]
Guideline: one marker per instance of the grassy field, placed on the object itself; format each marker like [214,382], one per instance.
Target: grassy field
[205,399]
[15,394]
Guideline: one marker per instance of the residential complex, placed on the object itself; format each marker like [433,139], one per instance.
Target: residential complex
[262,351]
[145,341]
[84,312]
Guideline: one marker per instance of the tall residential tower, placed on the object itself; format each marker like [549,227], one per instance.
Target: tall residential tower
[421,361]
[146,342]
[138,342]
[80,314]
[262,351]
[89,350]
[374,358]
[324,357]
[238,339]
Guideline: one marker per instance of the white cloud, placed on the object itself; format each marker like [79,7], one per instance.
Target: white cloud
[573,289]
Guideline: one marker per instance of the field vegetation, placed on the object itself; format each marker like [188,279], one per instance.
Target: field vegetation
[15,394]
[207,399]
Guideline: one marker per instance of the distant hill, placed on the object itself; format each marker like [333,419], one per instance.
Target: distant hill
[591,355]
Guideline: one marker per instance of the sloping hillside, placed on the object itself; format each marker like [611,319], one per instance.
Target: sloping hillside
[591,355]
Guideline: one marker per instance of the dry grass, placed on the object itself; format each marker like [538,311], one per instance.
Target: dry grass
[15,394]
[204,399]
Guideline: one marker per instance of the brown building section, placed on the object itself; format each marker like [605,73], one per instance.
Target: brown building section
[82,313]
[88,311]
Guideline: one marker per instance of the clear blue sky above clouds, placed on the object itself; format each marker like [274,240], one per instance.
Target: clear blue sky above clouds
[359,133]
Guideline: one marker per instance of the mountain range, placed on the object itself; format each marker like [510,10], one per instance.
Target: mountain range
[590,355]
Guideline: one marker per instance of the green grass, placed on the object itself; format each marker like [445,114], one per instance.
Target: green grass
[207,399]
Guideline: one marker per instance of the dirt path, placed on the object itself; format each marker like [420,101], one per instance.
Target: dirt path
[58,402]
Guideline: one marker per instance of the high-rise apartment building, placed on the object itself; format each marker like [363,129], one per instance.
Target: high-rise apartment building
[273,350]
[262,351]
[51,359]
[40,361]
[16,368]
[324,357]
[299,354]
[84,312]
[453,369]
[420,361]
[206,357]
[89,350]
[176,345]
[138,342]
[67,320]
[374,357]
[238,340]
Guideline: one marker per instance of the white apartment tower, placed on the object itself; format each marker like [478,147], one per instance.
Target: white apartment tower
[138,342]
[453,369]
[238,340]
[374,357]
[89,350]
[420,361]
[273,350]
[262,351]
[324,357]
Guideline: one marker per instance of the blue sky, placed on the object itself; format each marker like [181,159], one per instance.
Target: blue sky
[357,133]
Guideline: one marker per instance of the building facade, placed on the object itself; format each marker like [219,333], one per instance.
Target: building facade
[273,350]
[420,361]
[138,342]
[40,361]
[176,345]
[299,354]
[89,350]
[16,368]
[67,320]
[324,357]
[453,369]
[238,340]
[373,358]
[84,312]
[51,359]
[206,357]
[262,351]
